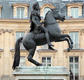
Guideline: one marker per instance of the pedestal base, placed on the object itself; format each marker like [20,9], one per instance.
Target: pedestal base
[41,73]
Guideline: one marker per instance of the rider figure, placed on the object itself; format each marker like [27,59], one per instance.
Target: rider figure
[36,25]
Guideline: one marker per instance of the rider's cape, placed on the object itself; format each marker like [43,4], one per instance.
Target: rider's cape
[35,20]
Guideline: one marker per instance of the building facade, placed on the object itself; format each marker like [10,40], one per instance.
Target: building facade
[14,23]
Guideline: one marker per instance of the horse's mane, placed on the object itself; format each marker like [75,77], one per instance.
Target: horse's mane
[46,14]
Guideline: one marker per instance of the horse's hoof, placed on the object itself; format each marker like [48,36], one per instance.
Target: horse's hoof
[49,47]
[71,46]
[68,49]
[39,65]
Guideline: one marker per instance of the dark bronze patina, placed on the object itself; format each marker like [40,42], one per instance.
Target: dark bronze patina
[40,35]
[36,26]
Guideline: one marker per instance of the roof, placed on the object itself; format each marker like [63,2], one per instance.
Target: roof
[7,6]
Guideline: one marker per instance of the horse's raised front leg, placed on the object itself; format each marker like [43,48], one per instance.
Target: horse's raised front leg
[67,36]
[66,39]
[30,57]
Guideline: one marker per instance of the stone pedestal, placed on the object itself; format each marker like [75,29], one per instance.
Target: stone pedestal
[41,73]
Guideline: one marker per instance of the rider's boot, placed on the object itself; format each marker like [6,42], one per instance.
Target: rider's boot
[47,38]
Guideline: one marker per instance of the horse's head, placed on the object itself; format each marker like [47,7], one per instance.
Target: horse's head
[58,15]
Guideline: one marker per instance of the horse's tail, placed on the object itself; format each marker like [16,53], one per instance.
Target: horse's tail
[17,53]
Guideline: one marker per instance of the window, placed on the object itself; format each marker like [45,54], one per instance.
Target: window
[0,12]
[46,10]
[75,38]
[74,67]
[20,12]
[18,35]
[46,61]
[74,12]
[22,60]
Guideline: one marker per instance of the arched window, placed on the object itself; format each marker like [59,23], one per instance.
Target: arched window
[46,9]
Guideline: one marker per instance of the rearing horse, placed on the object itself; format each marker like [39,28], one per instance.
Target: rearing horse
[31,40]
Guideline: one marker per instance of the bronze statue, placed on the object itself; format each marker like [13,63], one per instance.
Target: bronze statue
[31,40]
[36,26]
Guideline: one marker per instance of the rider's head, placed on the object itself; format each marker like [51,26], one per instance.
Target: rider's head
[36,6]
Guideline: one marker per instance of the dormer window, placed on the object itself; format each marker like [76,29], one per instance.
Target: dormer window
[74,12]
[0,10]
[45,8]
[20,10]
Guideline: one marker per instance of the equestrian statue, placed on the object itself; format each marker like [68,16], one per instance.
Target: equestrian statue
[41,33]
